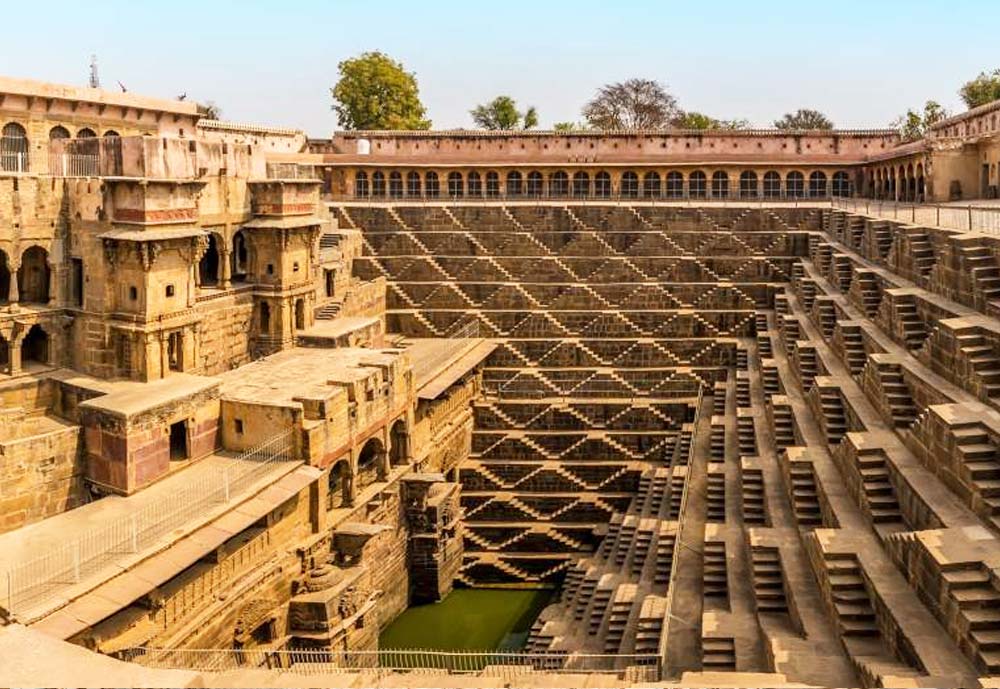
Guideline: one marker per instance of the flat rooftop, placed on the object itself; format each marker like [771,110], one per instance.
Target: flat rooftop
[301,373]
[127,398]
[42,89]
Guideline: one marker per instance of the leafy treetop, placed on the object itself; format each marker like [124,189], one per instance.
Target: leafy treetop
[502,113]
[804,119]
[376,92]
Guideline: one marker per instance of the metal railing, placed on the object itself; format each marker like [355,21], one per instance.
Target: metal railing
[500,663]
[734,197]
[32,586]
[13,161]
[668,614]
[968,218]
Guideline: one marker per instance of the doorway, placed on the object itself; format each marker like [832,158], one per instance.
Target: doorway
[178,441]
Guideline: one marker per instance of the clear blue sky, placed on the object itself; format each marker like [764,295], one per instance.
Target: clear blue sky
[862,62]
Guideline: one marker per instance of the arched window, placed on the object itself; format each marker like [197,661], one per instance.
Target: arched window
[534,183]
[515,183]
[432,185]
[720,185]
[492,184]
[630,184]
[697,185]
[33,276]
[772,185]
[86,133]
[370,462]
[841,184]
[558,184]
[456,185]
[240,257]
[602,184]
[208,266]
[111,132]
[35,346]
[475,184]
[748,184]
[399,451]
[361,184]
[58,132]
[817,184]
[651,184]
[378,183]
[4,277]
[395,184]
[13,148]
[339,483]
[581,184]
[795,184]
[675,185]
[413,183]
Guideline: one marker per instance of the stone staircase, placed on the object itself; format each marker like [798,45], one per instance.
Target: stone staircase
[768,580]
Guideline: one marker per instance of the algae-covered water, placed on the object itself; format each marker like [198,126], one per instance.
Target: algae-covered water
[469,619]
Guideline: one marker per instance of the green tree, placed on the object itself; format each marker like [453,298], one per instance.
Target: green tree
[569,127]
[631,104]
[804,119]
[981,90]
[210,111]
[375,92]
[914,124]
[502,113]
[698,120]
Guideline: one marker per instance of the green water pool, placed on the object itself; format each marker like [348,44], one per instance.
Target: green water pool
[469,619]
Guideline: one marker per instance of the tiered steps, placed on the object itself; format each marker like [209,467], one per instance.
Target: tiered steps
[834,420]
[871,292]
[979,456]
[855,614]
[982,265]
[768,581]
[979,607]
[784,426]
[921,251]
[805,497]
[715,495]
[912,325]
[983,361]
[718,654]
[618,616]
[649,627]
[746,435]
[600,601]
[854,347]
[665,542]
[879,493]
[902,411]
[715,572]
[754,510]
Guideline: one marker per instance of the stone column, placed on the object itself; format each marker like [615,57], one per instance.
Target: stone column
[227,270]
[15,295]
[53,284]
[15,355]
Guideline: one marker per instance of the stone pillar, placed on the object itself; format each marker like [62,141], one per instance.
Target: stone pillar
[15,355]
[53,284]
[15,295]
[227,270]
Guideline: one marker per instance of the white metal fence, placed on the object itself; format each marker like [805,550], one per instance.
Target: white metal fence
[968,218]
[32,587]
[501,663]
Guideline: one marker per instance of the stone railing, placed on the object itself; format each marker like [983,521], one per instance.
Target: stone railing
[968,218]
